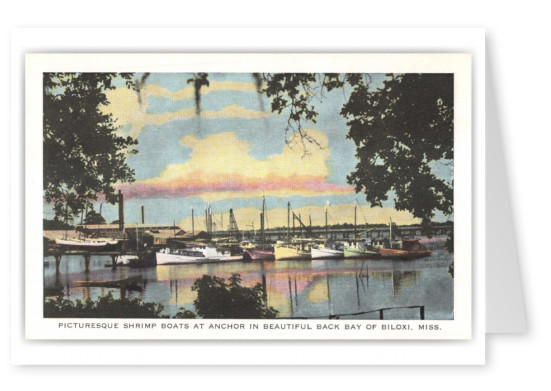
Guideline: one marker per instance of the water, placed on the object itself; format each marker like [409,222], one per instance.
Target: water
[297,289]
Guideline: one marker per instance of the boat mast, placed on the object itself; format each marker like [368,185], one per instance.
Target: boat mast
[326,228]
[355,213]
[390,229]
[207,222]
[288,221]
[262,219]
[192,223]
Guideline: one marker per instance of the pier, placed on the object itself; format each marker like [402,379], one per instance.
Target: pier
[58,253]
[346,233]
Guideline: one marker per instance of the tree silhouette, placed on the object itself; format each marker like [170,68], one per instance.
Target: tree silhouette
[402,131]
[83,154]
[218,300]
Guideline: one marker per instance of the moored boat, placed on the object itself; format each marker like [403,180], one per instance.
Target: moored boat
[405,249]
[260,253]
[196,254]
[294,250]
[87,244]
[360,250]
[328,249]
[253,251]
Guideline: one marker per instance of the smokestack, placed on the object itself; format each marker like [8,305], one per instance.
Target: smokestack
[121,211]
[143,215]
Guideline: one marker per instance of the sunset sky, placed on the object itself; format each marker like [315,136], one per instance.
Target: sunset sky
[233,153]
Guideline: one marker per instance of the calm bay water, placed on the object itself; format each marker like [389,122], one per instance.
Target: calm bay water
[297,289]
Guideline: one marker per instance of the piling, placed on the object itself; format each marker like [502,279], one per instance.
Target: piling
[87,261]
[57,262]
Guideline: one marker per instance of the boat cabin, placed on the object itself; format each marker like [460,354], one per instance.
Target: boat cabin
[380,243]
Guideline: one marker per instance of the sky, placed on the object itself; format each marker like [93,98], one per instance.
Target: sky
[232,154]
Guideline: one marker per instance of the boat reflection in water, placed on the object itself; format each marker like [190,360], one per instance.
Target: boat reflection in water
[297,289]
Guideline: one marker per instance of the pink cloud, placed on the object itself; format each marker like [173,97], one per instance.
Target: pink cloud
[202,183]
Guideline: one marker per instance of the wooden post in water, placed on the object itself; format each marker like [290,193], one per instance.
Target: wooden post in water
[290,294]
[57,262]
[87,257]
[422,312]
[329,296]
[264,290]
[123,290]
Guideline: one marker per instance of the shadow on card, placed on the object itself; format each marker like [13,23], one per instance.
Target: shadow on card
[505,311]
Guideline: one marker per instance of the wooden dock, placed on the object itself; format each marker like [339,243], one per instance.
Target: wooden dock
[57,253]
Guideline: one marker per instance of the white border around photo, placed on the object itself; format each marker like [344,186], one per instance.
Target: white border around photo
[273,352]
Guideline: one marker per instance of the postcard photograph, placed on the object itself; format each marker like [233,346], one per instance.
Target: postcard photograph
[302,204]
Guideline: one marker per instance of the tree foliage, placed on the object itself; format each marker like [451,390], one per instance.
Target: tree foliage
[103,307]
[294,93]
[218,300]
[402,131]
[83,154]
[198,80]
[93,217]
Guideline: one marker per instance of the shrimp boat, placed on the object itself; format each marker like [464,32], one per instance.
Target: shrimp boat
[297,249]
[195,254]
[83,244]
[359,248]
[259,253]
[89,244]
[263,251]
[328,249]
[293,248]
[403,249]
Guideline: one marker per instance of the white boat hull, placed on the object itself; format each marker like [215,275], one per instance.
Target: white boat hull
[320,253]
[186,257]
[86,243]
